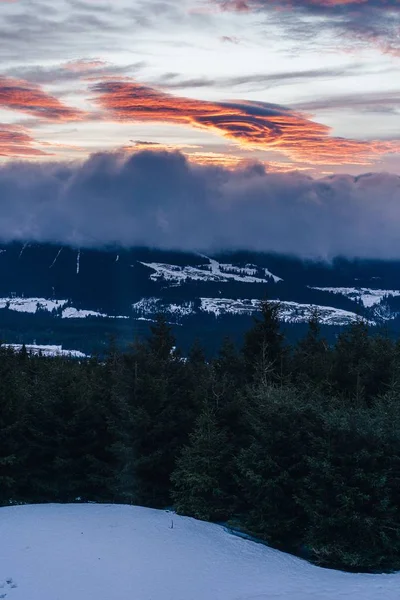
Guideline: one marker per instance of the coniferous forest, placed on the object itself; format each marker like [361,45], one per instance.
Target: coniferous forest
[296,445]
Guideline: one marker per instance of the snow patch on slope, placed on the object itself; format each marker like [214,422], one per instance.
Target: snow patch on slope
[47,351]
[291,312]
[152,306]
[369,297]
[31,305]
[75,313]
[111,552]
[212,272]
[228,306]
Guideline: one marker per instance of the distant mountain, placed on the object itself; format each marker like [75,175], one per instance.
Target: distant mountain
[56,294]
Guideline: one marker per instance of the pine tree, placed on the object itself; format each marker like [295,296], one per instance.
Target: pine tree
[162,341]
[382,365]
[263,350]
[271,469]
[12,418]
[351,361]
[350,494]
[200,477]
[311,360]
[162,414]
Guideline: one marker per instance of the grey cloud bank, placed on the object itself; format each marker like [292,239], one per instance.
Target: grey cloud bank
[160,199]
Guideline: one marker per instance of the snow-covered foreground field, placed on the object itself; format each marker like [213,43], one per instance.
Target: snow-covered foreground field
[105,552]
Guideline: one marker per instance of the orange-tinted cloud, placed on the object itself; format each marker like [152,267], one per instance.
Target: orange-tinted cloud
[256,124]
[16,142]
[77,66]
[20,95]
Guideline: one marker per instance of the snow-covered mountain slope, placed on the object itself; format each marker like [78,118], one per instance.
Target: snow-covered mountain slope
[369,297]
[111,552]
[291,312]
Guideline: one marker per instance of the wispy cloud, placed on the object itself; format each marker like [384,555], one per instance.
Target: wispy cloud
[17,142]
[370,21]
[257,124]
[388,101]
[74,70]
[20,95]
[256,81]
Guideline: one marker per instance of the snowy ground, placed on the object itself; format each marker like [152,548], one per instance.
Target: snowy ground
[212,271]
[369,297]
[291,312]
[47,351]
[103,552]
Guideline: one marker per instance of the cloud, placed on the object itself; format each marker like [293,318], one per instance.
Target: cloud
[75,70]
[193,153]
[382,101]
[36,30]
[160,199]
[20,95]
[256,81]
[368,21]
[16,141]
[230,39]
[255,124]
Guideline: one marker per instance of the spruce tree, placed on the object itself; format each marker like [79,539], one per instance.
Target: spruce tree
[272,468]
[199,479]
[12,421]
[350,494]
[311,361]
[351,361]
[263,350]
[161,414]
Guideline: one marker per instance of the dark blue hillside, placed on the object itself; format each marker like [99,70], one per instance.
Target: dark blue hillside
[111,280]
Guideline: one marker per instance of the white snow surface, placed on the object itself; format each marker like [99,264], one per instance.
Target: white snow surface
[368,296]
[151,306]
[48,351]
[111,552]
[31,305]
[291,312]
[75,313]
[213,271]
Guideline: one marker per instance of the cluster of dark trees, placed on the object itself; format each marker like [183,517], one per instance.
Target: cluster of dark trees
[297,445]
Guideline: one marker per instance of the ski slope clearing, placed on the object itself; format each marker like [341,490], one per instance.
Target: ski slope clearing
[111,552]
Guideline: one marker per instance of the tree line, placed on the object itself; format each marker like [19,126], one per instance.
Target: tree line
[297,445]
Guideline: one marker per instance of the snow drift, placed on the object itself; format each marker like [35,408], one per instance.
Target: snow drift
[111,552]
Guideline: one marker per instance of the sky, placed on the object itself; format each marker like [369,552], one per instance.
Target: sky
[310,85]
[307,90]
